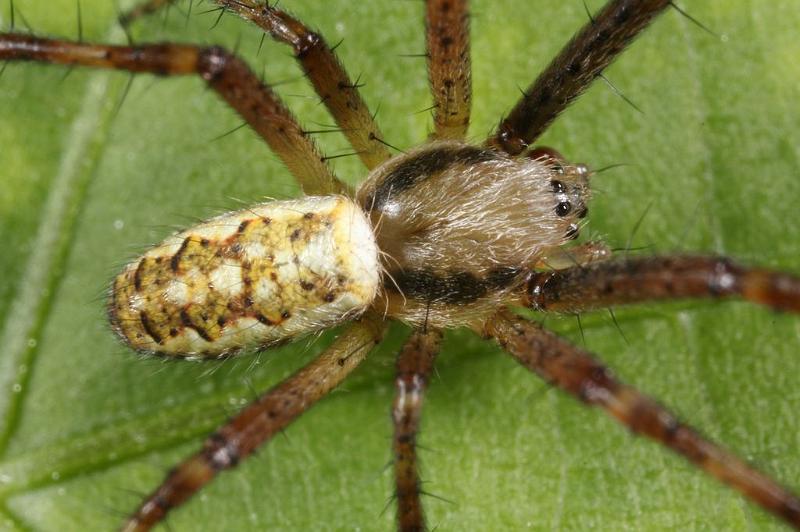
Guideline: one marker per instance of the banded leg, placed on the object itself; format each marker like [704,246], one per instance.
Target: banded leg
[578,373]
[228,75]
[583,59]
[326,73]
[258,422]
[634,280]
[414,365]
[447,31]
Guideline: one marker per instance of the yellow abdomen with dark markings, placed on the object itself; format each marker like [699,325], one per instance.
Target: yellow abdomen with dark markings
[249,279]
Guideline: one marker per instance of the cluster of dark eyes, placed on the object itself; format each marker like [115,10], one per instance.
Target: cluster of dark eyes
[563,207]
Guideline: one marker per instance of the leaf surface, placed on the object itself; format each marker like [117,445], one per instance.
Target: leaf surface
[86,426]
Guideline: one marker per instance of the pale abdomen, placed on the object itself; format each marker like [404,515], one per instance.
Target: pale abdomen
[248,279]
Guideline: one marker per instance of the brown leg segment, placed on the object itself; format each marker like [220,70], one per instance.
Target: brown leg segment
[447,30]
[224,72]
[321,65]
[620,282]
[337,91]
[583,59]
[414,365]
[258,422]
[578,373]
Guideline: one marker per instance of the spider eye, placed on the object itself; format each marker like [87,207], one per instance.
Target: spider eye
[583,212]
[563,208]
[558,187]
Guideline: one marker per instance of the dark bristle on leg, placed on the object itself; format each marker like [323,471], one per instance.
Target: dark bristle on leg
[258,422]
[414,366]
[582,60]
[636,280]
[576,372]
[224,72]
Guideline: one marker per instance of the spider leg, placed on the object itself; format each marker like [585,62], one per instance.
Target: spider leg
[578,373]
[223,71]
[414,365]
[326,73]
[258,422]
[447,31]
[634,280]
[582,60]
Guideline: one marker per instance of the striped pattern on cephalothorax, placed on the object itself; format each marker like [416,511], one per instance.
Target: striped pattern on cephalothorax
[453,222]
[248,279]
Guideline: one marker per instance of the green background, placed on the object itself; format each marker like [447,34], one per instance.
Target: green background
[86,425]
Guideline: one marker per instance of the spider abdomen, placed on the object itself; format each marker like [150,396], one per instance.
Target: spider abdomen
[248,279]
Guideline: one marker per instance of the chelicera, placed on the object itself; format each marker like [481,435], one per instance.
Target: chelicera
[449,234]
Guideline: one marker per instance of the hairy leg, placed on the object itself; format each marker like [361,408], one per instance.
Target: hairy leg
[575,371]
[258,422]
[447,31]
[414,366]
[582,60]
[224,72]
[326,73]
[619,282]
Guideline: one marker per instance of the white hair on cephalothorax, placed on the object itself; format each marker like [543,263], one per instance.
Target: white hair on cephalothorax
[458,225]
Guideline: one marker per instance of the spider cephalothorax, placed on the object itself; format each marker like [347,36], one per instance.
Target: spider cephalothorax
[453,222]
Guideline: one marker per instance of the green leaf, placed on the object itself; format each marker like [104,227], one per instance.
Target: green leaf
[86,425]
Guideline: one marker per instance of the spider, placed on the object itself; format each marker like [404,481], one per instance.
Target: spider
[431,430]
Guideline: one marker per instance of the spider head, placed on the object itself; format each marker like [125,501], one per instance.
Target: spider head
[569,183]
